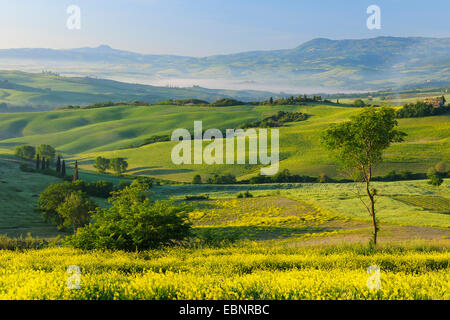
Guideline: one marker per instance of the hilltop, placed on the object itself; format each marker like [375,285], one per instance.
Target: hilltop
[46,91]
[319,64]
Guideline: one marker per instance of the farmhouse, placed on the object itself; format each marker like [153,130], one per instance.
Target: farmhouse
[436,102]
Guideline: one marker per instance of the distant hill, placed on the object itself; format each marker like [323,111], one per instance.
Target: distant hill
[38,91]
[324,64]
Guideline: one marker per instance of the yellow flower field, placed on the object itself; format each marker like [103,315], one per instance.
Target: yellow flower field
[228,273]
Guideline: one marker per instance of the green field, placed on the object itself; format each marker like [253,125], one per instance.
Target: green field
[109,132]
[288,241]
[292,212]
[45,91]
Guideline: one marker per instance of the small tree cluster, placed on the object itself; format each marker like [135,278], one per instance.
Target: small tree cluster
[224,179]
[25,152]
[118,165]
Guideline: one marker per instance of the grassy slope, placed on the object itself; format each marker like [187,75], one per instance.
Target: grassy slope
[341,199]
[19,194]
[85,134]
[36,89]
[326,207]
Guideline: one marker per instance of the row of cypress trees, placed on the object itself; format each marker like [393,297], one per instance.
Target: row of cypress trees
[60,166]
[43,164]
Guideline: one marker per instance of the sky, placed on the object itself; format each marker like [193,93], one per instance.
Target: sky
[209,27]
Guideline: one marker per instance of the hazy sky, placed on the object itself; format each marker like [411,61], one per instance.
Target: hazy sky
[206,27]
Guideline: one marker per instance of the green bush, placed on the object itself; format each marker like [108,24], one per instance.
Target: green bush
[246,194]
[359,103]
[435,177]
[224,179]
[199,197]
[420,109]
[134,223]
[55,201]
[197,179]
[21,243]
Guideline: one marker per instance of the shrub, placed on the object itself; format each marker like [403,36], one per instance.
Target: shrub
[75,210]
[123,184]
[246,194]
[227,102]
[199,197]
[197,179]
[100,189]
[224,179]
[21,243]
[435,180]
[134,223]
[435,177]
[359,103]
[59,201]
[323,178]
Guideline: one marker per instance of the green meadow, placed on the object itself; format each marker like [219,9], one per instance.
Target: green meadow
[286,213]
[285,241]
[116,131]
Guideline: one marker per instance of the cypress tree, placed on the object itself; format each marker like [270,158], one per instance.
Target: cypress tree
[75,171]
[58,165]
[37,162]
[43,164]
[63,168]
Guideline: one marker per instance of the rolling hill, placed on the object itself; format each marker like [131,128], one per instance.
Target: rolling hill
[114,131]
[39,91]
[320,65]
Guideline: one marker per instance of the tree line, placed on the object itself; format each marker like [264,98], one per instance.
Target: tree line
[420,109]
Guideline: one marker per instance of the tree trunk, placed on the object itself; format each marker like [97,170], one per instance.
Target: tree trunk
[372,205]
[374,221]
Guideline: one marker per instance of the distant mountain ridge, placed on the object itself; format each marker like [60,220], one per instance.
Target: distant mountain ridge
[364,64]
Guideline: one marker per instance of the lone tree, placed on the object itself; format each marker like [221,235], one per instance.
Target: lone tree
[75,172]
[45,151]
[358,145]
[119,165]
[58,165]
[63,168]
[101,164]
[197,179]
[37,162]
[359,103]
